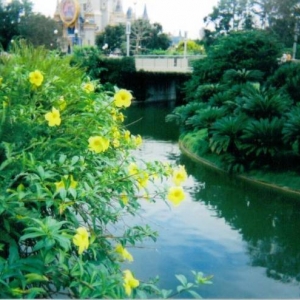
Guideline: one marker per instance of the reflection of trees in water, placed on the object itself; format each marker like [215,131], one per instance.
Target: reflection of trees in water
[267,221]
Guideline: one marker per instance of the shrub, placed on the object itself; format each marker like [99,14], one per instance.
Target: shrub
[67,175]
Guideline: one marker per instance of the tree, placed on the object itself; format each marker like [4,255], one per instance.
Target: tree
[114,37]
[157,39]
[9,19]
[18,21]
[39,30]
[140,34]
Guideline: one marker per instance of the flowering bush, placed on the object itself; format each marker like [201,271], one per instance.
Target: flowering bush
[67,175]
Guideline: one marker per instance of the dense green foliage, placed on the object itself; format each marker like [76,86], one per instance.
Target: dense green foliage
[243,106]
[275,16]
[70,184]
[249,50]
[144,38]
[18,21]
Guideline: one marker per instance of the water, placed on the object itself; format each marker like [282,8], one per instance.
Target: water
[246,237]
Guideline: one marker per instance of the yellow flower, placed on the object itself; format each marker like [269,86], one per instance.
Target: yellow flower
[179,175]
[129,282]
[89,87]
[81,239]
[176,195]
[36,78]
[62,104]
[124,198]
[116,143]
[138,140]
[53,117]
[143,179]
[127,135]
[123,253]
[133,169]
[98,144]
[120,117]
[122,98]
[61,184]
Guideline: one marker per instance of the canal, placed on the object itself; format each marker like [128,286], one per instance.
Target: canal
[248,238]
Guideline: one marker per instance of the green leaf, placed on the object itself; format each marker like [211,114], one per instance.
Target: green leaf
[182,279]
[194,294]
[32,277]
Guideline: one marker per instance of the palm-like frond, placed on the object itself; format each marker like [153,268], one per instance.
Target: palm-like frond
[242,76]
[181,113]
[263,137]
[206,91]
[225,134]
[261,103]
[291,129]
[205,117]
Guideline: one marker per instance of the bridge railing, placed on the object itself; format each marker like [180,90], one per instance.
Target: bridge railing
[165,63]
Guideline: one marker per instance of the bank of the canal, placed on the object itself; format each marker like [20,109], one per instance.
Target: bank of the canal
[244,235]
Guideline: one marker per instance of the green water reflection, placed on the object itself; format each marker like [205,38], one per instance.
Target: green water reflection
[248,237]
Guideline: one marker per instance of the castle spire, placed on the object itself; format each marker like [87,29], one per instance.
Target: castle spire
[119,7]
[145,14]
[56,13]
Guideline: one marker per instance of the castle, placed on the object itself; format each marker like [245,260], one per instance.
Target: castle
[82,20]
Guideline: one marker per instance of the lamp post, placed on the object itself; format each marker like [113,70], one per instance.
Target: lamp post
[185,44]
[76,36]
[128,31]
[296,31]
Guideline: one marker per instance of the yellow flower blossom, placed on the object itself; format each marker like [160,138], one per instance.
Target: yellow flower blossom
[133,169]
[142,179]
[98,144]
[81,239]
[122,98]
[176,195]
[129,282]
[127,135]
[61,184]
[53,117]
[89,87]
[36,78]
[120,117]
[179,175]
[62,104]
[124,198]
[116,143]
[125,255]
[138,140]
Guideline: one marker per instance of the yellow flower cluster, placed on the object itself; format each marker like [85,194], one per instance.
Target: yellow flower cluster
[176,193]
[125,255]
[129,282]
[81,239]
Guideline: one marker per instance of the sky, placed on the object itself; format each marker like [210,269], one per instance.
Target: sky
[173,15]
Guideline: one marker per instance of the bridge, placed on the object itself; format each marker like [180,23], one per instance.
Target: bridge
[165,63]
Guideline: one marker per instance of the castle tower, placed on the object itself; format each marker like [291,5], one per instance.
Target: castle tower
[145,14]
[117,16]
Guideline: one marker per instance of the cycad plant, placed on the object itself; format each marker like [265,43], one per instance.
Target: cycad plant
[264,103]
[232,76]
[205,118]
[225,134]
[263,138]
[291,129]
